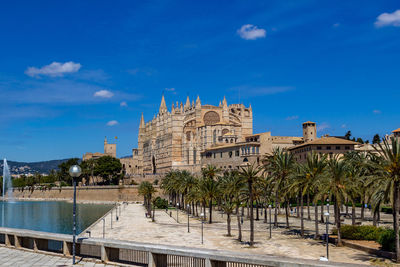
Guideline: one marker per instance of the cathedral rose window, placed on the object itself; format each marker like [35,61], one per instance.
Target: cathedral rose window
[211,118]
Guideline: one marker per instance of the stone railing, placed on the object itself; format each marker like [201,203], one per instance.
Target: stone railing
[143,254]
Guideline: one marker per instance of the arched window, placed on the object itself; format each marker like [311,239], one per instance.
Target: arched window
[214,136]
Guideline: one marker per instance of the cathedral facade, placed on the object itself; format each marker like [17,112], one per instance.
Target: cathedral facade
[175,139]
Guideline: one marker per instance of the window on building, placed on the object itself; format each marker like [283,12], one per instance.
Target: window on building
[230,154]
[328,148]
[319,147]
[337,147]
[237,153]
[221,154]
[226,140]
[214,136]
[214,155]
[194,156]
[347,147]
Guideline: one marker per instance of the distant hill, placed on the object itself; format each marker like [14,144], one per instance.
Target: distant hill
[32,167]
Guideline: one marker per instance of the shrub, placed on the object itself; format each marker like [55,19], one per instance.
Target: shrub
[387,240]
[160,203]
[155,182]
[387,210]
[360,232]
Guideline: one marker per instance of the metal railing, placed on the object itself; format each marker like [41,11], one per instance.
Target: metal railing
[144,254]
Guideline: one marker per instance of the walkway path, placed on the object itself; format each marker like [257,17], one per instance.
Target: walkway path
[22,258]
[134,226]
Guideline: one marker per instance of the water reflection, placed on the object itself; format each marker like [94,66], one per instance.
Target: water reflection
[49,216]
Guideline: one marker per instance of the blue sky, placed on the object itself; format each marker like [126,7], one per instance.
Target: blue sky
[73,72]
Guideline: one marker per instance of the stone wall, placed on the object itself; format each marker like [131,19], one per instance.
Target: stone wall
[86,193]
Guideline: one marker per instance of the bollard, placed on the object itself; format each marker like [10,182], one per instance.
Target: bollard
[104,227]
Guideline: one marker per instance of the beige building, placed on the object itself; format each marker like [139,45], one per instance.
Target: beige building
[253,148]
[175,139]
[130,165]
[109,150]
[324,145]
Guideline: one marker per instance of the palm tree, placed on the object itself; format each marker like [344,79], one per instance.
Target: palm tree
[280,166]
[334,184]
[389,171]
[250,175]
[146,189]
[209,186]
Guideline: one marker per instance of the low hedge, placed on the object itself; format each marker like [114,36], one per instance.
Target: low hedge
[360,232]
[384,236]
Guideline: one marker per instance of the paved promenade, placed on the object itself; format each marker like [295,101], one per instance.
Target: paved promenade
[133,226]
[22,258]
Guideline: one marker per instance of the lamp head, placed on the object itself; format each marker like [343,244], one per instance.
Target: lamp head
[75,171]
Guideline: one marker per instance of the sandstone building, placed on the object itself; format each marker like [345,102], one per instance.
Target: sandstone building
[175,139]
[109,150]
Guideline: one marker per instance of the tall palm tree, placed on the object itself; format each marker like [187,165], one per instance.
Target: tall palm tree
[209,186]
[250,174]
[334,185]
[279,166]
[389,171]
[147,190]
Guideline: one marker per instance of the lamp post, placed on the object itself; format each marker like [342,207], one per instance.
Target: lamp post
[202,223]
[188,206]
[74,171]
[177,209]
[327,232]
[270,222]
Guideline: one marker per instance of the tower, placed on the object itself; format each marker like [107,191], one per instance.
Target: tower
[309,131]
[110,149]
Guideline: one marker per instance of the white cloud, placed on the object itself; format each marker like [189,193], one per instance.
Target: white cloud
[388,19]
[290,118]
[250,91]
[123,104]
[323,126]
[343,126]
[171,90]
[103,94]
[377,111]
[54,69]
[336,25]
[112,123]
[251,32]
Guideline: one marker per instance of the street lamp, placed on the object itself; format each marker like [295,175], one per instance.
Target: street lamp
[270,222]
[177,208]
[188,206]
[202,223]
[327,232]
[74,171]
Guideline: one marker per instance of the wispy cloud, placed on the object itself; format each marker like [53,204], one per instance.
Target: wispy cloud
[123,104]
[144,70]
[103,94]
[251,32]
[250,91]
[290,118]
[336,25]
[171,90]
[112,123]
[343,126]
[54,69]
[388,19]
[323,126]
[377,111]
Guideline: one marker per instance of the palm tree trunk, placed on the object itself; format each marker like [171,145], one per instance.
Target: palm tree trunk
[287,214]
[239,225]
[257,212]
[347,207]
[337,217]
[362,209]
[353,213]
[322,210]
[265,213]
[276,210]
[210,208]
[301,216]
[251,213]
[374,218]
[298,206]
[228,222]
[248,210]
[316,221]
[396,219]
[308,206]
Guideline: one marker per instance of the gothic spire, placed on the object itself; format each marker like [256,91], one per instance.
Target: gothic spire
[163,106]
[198,103]
[141,122]
[187,104]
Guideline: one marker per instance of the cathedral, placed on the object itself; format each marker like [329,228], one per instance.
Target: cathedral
[175,139]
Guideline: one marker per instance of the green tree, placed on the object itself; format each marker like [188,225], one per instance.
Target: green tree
[147,190]
[348,135]
[360,140]
[108,168]
[250,174]
[376,139]
[63,174]
[209,186]
[388,170]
